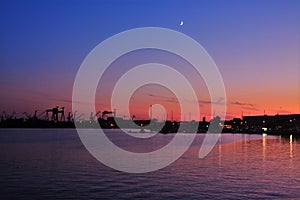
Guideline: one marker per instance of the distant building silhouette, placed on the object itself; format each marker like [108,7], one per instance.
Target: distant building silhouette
[272,124]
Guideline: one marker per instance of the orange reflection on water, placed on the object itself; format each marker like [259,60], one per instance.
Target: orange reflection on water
[264,135]
[291,146]
[269,154]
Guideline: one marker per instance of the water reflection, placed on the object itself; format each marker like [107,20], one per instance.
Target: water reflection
[241,167]
[291,146]
[220,152]
[281,149]
[264,140]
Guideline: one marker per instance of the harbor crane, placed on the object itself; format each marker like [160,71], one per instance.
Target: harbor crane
[94,117]
[69,117]
[55,112]
[6,116]
[105,113]
[35,116]
[40,115]
[77,117]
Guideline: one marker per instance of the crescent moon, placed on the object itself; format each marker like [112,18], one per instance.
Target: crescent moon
[181,23]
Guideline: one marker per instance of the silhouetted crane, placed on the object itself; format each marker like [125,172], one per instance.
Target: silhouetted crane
[55,111]
[97,114]
[105,113]
[4,115]
[69,118]
[13,115]
[35,114]
[27,116]
[42,113]
[94,117]
[62,115]
[7,117]
[77,118]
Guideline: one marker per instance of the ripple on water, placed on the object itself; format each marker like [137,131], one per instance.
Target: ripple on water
[53,164]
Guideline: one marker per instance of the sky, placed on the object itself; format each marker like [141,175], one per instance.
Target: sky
[255,44]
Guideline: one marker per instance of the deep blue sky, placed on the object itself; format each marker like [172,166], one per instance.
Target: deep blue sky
[255,44]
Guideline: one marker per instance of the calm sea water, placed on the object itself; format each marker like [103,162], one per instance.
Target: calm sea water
[53,164]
